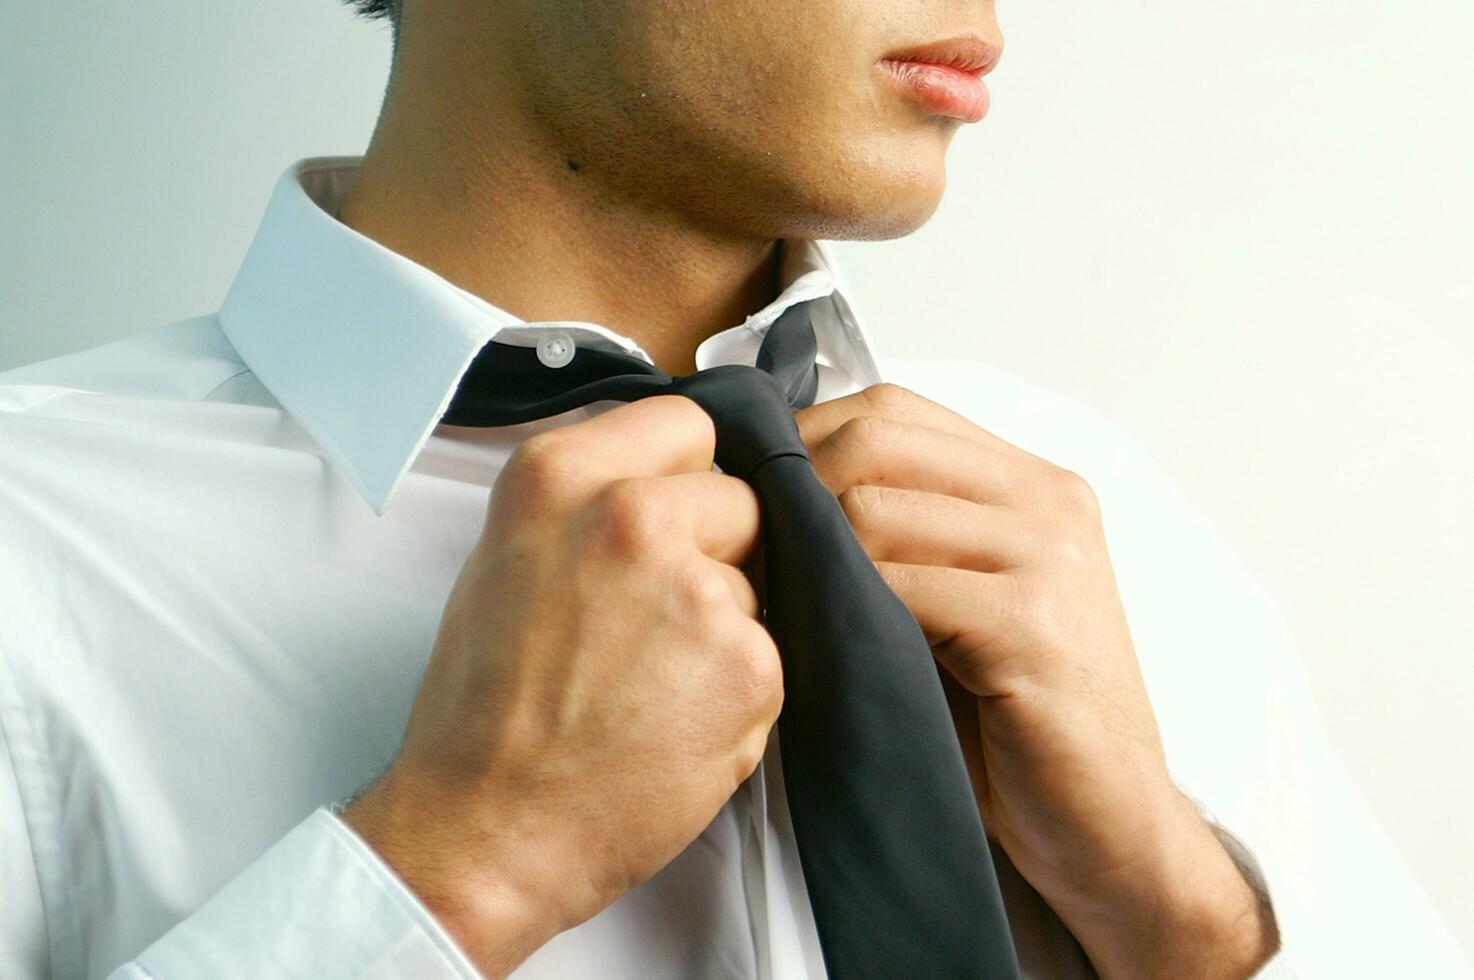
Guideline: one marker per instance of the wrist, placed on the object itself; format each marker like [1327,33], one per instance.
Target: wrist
[497,919]
[1182,908]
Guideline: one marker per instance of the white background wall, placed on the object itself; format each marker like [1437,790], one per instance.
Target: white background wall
[1243,232]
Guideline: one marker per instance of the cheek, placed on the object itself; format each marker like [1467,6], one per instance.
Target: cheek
[783,103]
[752,64]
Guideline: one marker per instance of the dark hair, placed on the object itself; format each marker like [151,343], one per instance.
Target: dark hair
[378,10]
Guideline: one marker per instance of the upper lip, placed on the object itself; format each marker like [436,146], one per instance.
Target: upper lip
[967,52]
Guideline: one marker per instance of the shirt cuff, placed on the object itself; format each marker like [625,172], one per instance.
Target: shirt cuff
[1276,967]
[319,903]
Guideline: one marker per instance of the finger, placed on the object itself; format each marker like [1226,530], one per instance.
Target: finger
[742,591]
[884,452]
[948,604]
[902,525]
[963,705]
[886,400]
[658,435]
[718,513]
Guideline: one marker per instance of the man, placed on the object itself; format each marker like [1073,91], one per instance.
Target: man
[537,680]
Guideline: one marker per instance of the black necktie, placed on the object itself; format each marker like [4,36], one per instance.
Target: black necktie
[892,846]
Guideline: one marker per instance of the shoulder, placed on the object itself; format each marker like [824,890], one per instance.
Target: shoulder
[120,417]
[78,468]
[178,381]
[183,360]
[124,455]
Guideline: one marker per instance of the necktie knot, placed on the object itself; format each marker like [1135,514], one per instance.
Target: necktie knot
[754,421]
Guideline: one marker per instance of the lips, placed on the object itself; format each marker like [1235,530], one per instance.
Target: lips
[945,91]
[947,76]
[965,52]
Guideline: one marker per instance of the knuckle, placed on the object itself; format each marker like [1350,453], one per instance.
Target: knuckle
[865,432]
[684,423]
[758,671]
[749,753]
[700,587]
[859,503]
[687,412]
[1067,550]
[1074,491]
[630,519]
[1037,601]
[541,464]
[890,398]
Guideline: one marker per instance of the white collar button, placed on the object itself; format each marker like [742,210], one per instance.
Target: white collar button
[555,348]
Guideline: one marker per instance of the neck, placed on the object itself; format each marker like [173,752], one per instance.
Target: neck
[468,191]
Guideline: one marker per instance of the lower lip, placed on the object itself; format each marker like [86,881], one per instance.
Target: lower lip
[948,91]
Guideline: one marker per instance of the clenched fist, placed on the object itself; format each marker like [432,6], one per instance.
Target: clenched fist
[600,685]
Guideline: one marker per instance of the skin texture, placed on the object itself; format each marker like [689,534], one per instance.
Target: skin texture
[634,164]
[702,131]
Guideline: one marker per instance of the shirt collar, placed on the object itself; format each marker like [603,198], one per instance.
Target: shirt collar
[364,347]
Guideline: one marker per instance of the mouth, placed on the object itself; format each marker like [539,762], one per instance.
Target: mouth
[947,76]
[946,91]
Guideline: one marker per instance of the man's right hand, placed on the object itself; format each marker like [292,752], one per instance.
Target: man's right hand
[600,685]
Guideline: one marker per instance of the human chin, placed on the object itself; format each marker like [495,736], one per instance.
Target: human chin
[869,203]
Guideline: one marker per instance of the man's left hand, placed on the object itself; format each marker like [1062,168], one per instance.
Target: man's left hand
[1001,557]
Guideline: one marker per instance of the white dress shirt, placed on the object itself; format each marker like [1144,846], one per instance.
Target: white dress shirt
[225,545]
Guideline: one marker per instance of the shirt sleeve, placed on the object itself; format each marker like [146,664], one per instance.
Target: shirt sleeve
[318,904]
[23,941]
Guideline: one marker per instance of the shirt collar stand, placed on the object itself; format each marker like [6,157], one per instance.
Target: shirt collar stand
[364,347]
